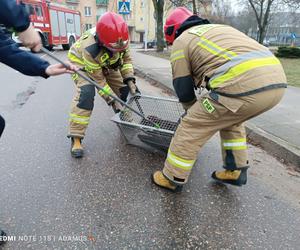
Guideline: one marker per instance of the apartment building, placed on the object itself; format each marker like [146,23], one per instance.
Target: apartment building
[140,20]
[90,10]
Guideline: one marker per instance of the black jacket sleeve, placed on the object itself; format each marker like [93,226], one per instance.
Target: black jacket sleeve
[21,60]
[14,15]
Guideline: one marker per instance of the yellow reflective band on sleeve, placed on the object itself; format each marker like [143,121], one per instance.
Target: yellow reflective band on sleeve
[106,90]
[75,59]
[77,45]
[215,49]
[176,55]
[84,120]
[74,76]
[90,65]
[242,68]
[126,66]
[235,144]
[179,162]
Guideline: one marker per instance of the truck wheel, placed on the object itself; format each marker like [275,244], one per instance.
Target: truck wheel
[69,45]
[45,43]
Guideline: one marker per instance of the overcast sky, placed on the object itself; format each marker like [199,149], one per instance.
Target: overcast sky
[235,4]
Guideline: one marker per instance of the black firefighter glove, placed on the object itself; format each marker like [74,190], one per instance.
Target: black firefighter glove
[130,82]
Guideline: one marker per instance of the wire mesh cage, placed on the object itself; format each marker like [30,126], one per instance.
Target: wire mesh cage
[163,112]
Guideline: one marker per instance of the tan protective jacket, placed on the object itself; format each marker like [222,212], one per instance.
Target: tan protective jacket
[94,59]
[224,59]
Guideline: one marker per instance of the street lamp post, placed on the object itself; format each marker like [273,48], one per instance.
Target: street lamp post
[146,24]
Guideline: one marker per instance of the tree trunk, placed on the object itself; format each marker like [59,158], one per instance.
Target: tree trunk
[261,35]
[194,7]
[159,11]
[262,15]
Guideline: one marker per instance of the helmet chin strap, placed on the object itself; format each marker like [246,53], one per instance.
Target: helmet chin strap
[102,45]
[98,40]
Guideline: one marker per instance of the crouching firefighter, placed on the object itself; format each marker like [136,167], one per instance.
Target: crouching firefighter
[103,55]
[243,79]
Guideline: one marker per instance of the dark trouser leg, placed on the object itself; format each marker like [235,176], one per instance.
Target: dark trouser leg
[2,125]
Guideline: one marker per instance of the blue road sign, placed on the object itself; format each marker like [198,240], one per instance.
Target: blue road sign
[124,7]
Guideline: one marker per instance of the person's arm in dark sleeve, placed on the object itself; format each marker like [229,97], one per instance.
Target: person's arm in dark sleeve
[14,15]
[21,60]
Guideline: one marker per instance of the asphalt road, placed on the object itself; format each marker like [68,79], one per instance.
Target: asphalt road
[106,200]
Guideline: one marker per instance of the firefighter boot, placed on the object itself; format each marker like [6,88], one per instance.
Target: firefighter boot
[2,233]
[76,147]
[233,177]
[160,180]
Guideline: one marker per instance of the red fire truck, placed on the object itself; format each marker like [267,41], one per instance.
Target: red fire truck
[56,24]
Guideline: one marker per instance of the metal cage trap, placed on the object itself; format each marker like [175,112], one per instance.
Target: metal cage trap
[164,112]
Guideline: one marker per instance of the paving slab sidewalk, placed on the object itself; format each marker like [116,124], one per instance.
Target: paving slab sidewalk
[277,131]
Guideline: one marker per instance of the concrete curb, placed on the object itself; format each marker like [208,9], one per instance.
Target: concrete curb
[153,80]
[285,152]
[275,146]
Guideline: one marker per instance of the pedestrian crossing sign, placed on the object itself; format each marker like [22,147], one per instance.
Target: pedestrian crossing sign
[124,7]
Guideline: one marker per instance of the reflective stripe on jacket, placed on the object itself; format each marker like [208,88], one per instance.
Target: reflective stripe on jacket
[219,56]
[87,54]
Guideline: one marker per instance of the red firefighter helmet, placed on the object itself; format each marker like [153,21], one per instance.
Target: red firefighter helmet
[173,22]
[112,32]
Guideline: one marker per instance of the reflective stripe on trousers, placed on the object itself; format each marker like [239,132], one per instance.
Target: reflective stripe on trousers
[84,120]
[234,144]
[178,162]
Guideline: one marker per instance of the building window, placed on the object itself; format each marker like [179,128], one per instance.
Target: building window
[71,7]
[88,26]
[38,11]
[101,10]
[87,11]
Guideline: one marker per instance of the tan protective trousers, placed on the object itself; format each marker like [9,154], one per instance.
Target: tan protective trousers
[83,101]
[204,119]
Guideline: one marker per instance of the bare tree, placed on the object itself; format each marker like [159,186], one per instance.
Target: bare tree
[159,14]
[293,4]
[244,21]
[196,4]
[222,11]
[263,9]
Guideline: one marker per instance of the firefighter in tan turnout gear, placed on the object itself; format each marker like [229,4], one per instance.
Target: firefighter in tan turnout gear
[243,80]
[103,54]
